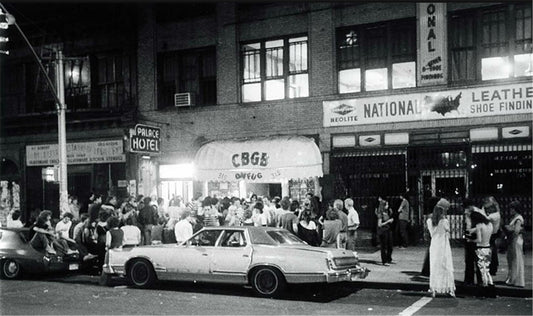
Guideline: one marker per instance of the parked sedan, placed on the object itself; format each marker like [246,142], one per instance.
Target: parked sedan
[18,257]
[266,258]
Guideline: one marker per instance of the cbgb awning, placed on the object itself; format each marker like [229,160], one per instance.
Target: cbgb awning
[267,159]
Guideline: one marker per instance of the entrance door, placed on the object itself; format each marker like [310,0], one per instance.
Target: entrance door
[450,184]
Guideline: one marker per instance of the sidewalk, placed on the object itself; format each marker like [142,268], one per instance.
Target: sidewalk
[405,274]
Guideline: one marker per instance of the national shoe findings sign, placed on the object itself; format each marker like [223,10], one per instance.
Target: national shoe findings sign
[461,103]
[145,139]
[432,56]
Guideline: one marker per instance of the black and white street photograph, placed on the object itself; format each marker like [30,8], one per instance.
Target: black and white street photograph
[179,157]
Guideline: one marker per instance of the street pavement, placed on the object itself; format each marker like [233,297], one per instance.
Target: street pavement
[405,273]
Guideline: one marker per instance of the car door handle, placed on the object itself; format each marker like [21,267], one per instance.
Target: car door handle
[245,256]
[204,254]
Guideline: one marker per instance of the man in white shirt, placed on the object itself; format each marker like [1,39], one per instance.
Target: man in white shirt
[183,229]
[353,224]
[132,233]
[64,224]
[13,219]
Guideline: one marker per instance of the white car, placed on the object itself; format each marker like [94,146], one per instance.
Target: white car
[266,258]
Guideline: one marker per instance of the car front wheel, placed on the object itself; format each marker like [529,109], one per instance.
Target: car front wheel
[141,274]
[268,282]
[10,269]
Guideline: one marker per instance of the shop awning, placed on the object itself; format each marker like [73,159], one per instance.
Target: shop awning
[266,159]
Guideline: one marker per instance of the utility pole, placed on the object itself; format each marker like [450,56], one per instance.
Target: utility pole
[7,19]
[62,134]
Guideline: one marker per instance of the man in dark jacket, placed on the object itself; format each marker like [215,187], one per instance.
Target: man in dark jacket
[94,209]
[147,219]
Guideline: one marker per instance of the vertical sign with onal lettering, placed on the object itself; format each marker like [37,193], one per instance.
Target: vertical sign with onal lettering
[432,39]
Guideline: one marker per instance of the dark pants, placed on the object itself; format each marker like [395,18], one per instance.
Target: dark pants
[147,234]
[493,268]
[471,268]
[403,224]
[425,266]
[385,240]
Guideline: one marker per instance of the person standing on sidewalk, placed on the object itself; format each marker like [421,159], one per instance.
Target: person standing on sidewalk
[384,231]
[441,279]
[403,221]
[471,268]
[341,241]
[515,252]
[492,209]
[147,218]
[353,224]
[429,205]
[483,250]
[332,227]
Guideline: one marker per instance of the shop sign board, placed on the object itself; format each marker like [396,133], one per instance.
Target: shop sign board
[432,56]
[109,151]
[145,139]
[459,103]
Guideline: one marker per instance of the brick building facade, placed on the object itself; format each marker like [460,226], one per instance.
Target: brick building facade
[255,70]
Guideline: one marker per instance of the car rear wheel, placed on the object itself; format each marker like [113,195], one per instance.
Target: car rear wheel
[268,282]
[141,273]
[10,269]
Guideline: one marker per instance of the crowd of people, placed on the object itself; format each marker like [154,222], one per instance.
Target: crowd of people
[483,226]
[90,230]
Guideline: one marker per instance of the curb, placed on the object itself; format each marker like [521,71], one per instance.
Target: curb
[460,289]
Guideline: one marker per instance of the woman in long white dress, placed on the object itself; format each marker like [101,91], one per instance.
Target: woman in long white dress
[515,253]
[441,279]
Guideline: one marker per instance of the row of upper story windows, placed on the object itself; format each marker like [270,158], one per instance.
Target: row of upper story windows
[483,44]
[91,82]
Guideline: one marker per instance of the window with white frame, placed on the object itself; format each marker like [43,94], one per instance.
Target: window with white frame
[274,69]
[378,56]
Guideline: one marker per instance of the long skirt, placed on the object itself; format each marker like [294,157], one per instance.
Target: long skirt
[515,260]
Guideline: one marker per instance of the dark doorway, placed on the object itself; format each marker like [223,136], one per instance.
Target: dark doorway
[274,189]
[79,185]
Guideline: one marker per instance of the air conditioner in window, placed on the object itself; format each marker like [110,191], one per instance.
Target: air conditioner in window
[183,99]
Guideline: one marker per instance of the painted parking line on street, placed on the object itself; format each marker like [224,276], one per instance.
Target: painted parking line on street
[415,306]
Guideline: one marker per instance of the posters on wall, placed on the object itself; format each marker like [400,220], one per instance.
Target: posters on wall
[459,103]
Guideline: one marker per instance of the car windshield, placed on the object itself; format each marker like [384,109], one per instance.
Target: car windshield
[285,237]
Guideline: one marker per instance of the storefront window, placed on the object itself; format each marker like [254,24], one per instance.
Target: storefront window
[503,173]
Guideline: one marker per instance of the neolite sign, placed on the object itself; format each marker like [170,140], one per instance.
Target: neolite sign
[145,139]
[460,103]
